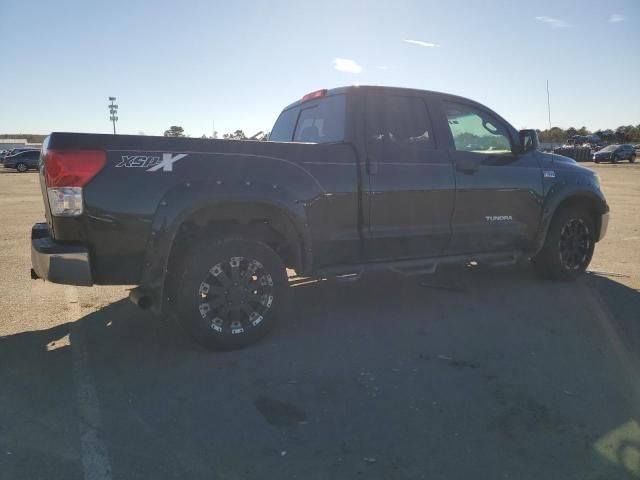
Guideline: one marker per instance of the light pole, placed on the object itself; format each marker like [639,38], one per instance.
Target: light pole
[113,110]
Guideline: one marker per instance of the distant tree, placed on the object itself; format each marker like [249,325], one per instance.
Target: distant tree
[237,135]
[628,133]
[553,135]
[584,131]
[174,131]
[571,132]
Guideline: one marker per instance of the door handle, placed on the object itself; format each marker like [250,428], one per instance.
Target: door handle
[467,166]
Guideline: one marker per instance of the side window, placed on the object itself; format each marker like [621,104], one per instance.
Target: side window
[283,129]
[475,131]
[322,121]
[399,122]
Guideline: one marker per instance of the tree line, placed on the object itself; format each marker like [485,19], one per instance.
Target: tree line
[178,131]
[622,134]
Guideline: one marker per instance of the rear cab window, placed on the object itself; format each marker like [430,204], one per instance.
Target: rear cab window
[400,122]
[317,121]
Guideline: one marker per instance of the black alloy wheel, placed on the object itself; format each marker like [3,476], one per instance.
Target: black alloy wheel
[228,292]
[575,246]
[568,246]
[236,295]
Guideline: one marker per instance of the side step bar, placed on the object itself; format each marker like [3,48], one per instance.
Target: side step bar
[421,266]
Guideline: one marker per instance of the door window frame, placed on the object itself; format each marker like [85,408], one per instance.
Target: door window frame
[430,115]
[478,110]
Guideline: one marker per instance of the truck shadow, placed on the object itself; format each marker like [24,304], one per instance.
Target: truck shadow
[388,367]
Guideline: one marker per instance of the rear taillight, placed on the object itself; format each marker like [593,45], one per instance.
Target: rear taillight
[66,172]
[72,168]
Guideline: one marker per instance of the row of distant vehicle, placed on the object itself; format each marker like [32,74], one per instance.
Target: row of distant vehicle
[599,153]
[21,159]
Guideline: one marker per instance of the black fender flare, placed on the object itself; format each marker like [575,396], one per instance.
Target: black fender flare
[561,194]
[182,202]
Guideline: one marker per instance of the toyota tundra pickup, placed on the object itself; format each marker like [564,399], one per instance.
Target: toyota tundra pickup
[351,180]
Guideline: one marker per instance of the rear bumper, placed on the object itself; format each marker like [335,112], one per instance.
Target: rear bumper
[56,262]
[604,224]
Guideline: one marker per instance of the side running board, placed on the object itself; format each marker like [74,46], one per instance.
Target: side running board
[420,266]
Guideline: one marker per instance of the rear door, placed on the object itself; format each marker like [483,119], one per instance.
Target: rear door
[498,201]
[411,181]
[334,215]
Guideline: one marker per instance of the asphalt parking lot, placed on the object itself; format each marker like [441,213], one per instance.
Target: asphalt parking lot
[469,373]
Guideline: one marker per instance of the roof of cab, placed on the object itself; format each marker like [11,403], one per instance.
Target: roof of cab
[397,90]
[382,88]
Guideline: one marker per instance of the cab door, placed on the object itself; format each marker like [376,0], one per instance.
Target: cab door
[498,198]
[410,179]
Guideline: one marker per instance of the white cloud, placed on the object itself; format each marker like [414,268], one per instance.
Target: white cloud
[346,65]
[616,18]
[422,43]
[553,22]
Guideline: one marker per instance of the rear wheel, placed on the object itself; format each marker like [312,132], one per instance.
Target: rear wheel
[632,158]
[22,167]
[229,292]
[569,245]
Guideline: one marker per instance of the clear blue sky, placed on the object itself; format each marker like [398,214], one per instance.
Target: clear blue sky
[191,62]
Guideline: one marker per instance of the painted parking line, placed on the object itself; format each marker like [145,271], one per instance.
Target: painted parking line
[95,458]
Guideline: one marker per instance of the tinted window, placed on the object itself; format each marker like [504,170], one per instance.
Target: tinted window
[475,131]
[321,121]
[283,129]
[399,120]
[27,155]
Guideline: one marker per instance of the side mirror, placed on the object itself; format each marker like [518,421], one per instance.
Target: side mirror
[528,140]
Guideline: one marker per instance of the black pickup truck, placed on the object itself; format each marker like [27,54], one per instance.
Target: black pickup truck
[352,179]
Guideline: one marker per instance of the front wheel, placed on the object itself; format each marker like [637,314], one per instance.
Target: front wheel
[632,159]
[229,292]
[22,167]
[614,159]
[568,247]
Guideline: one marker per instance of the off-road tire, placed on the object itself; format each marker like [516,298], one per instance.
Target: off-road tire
[568,246]
[219,282]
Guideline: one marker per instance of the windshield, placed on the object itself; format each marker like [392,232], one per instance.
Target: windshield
[609,148]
